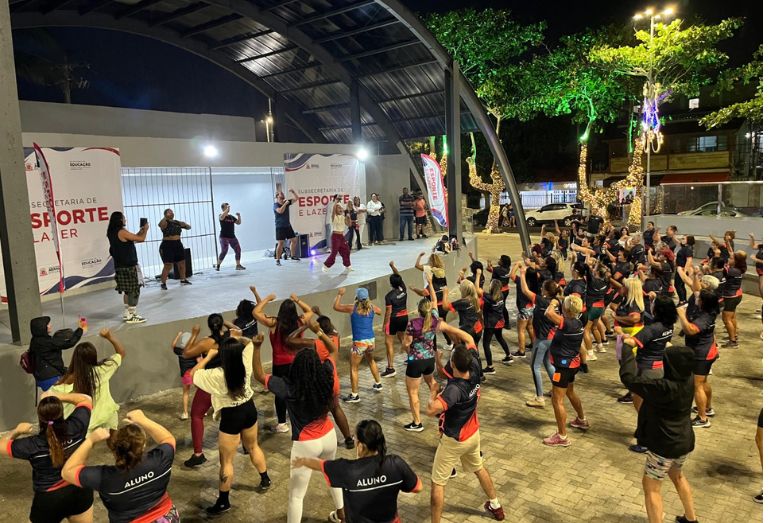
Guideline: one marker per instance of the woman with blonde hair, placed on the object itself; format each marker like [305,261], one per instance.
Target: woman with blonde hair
[629,318]
[468,307]
[362,325]
[565,357]
[434,272]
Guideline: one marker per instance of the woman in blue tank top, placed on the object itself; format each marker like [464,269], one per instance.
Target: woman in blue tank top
[362,325]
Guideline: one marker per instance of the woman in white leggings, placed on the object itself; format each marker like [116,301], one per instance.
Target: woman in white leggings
[308,392]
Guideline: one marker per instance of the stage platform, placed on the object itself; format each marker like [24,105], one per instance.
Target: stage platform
[149,358]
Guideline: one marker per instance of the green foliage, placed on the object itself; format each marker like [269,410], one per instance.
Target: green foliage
[486,44]
[751,109]
[682,59]
[563,81]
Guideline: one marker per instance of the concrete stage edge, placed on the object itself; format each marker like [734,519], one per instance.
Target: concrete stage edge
[150,366]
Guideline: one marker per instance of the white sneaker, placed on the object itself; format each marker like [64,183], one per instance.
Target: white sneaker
[183,416]
[602,348]
[280,428]
[348,269]
[136,319]
[591,356]
[324,268]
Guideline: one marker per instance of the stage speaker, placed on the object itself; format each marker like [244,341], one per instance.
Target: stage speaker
[304,246]
[188,266]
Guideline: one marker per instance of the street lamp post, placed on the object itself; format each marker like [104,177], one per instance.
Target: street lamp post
[650,121]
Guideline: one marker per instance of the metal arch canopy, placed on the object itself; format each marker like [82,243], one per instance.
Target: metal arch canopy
[467,93]
[334,65]
[29,20]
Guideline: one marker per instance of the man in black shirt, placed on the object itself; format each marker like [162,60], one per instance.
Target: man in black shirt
[648,233]
[227,239]
[459,426]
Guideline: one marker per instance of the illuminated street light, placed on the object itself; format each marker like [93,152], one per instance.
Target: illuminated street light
[210,151]
[362,153]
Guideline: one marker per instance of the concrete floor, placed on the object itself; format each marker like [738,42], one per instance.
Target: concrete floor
[596,479]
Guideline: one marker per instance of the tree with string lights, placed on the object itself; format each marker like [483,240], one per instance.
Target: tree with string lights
[486,43]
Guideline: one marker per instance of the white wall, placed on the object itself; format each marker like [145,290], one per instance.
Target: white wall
[43,117]
[252,196]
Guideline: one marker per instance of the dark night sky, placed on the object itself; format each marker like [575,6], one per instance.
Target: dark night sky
[131,71]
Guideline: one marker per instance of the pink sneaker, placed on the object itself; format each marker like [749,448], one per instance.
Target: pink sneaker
[578,423]
[556,440]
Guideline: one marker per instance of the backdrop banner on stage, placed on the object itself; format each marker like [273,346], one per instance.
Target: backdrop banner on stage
[436,193]
[87,186]
[316,178]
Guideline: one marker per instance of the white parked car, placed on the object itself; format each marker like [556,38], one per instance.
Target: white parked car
[563,213]
[710,209]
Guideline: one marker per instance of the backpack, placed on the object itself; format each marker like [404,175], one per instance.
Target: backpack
[27,362]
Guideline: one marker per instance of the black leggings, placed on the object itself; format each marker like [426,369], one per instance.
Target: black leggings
[349,237]
[505,310]
[498,334]
[281,371]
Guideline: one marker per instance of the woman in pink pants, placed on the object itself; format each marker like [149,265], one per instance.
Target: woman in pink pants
[340,224]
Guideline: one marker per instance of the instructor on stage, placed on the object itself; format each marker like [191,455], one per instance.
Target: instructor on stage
[283,229]
[171,248]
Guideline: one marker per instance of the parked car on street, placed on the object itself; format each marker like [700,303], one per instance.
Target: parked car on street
[563,213]
[710,209]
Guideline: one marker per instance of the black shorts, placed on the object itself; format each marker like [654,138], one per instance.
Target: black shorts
[759,421]
[730,304]
[564,376]
[171,251]
[420,368]
[702,367]
[284,233]
[421,220]
[397,324]
[60,504]
[234,420]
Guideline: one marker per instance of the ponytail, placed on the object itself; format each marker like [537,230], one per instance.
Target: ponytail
[424,310]
[369,433]
[50,413]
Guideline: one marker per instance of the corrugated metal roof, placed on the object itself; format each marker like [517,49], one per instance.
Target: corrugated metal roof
[283,43]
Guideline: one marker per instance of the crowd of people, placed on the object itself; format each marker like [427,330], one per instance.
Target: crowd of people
[644,290]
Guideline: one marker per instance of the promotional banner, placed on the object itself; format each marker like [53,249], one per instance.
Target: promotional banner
[50,205]
[87,190]
[316,178]
[436,193]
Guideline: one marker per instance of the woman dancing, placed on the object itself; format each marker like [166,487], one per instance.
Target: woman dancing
[308,391]
[230,390]
[396,317]
[362,324]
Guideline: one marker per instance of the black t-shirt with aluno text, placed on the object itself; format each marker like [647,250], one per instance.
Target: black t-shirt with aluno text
[46,477]
[227,227]
[651,344]
[565,344]
[370,490]
[544,328]
[132,493]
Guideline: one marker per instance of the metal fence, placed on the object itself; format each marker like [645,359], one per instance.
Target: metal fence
[536,199]
[148,191]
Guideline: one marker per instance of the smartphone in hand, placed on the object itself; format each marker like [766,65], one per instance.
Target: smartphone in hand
[142,222]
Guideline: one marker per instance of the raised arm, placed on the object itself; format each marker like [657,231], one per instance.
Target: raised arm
[340,307]
[256,361]
[477,283]
[253,290]
[210,354]
[260,316]
[295,341]
[689,328]
[432,293]
[393,267]
[556,225]
[523,282]
[116,344]
[551,314]
[139,237]
[79,458]
[754,243]
[156,431]
[307,311]
[418,264]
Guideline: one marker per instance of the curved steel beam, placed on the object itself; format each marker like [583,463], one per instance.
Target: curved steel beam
[330,63]
[162,34]
[468,94]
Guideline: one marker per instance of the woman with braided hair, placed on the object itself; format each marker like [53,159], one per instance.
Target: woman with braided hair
[382,475]
[308,391]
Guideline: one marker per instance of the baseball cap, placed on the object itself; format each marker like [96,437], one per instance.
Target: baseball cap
[362,294]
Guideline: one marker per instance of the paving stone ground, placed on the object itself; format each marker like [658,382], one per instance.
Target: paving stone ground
[597,479]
